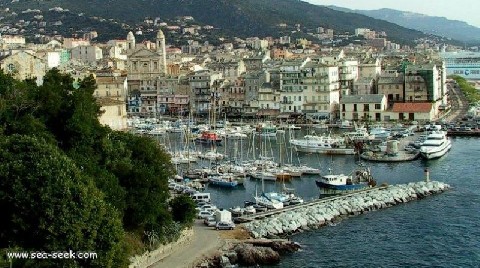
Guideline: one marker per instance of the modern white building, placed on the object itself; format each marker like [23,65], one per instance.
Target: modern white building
[464,64]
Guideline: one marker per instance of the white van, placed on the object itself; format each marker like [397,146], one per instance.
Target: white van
[201,197]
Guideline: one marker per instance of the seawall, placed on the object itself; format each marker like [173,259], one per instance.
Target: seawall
[323,213]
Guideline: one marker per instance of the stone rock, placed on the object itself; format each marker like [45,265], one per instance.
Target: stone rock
[249,255]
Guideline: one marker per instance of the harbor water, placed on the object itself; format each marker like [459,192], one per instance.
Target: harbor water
[439,231]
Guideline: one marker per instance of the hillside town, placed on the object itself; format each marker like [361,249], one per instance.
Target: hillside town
[266,78]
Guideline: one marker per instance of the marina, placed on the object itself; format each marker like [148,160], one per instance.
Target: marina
[250,203]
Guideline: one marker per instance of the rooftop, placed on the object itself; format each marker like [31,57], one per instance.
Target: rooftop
[368,98]
[412,107]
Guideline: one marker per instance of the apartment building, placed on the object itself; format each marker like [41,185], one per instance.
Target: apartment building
[363,107]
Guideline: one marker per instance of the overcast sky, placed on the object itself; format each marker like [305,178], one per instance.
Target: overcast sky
[463,10]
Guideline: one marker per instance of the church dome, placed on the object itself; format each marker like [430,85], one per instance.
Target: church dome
[160,34]
[130,36]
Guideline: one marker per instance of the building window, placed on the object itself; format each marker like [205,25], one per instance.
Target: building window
[366,107]
[11,67]
[355,107]
[377,106]
[343,109]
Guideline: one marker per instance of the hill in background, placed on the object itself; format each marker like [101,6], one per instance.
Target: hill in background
[240,18]
[454,29]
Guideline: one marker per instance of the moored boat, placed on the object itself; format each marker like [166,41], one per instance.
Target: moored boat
[209,137]
[339,183]
[436,145]
[322,144]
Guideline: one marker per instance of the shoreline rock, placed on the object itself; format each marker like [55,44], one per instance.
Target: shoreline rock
[304,218]
[251,252]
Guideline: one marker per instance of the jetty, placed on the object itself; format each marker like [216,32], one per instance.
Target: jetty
[327,210]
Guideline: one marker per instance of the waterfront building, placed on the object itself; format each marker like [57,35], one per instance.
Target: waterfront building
[363,107]
[416,111]
[391,84]
[347,74]
[363,86]
[426,83]
[200,87]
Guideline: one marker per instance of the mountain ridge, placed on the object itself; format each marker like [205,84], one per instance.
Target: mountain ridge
[454,29]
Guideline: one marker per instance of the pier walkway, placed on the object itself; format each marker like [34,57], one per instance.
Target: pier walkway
[261,215]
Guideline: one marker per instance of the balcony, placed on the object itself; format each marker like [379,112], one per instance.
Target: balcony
[317,102]
[286,102]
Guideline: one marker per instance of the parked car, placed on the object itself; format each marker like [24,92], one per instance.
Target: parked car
[204,214]
[210,221]
[208,207]
[224,225]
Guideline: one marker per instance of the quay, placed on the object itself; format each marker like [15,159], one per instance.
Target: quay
[329,210]
[474,132]
[268,213]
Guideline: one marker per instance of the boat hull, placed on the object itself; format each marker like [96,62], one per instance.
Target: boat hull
[224,184]
[344,151]
[345,187]
[436,154]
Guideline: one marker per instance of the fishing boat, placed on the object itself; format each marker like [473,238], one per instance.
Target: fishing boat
[266,129]
[223,180]
[339,183]
[209,137]
[324,144]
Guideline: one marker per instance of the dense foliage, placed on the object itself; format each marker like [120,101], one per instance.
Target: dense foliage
[183,209]
[67,182]
[470,92]
[49,205]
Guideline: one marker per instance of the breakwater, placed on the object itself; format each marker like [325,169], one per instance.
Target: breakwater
[323,213]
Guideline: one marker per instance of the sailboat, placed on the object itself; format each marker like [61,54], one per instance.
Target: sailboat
[263,200]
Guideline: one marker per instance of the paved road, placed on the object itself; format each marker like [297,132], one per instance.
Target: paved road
[459,104]
[205,240]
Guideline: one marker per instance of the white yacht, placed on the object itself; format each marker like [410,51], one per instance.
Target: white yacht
[436,145]
[322,144]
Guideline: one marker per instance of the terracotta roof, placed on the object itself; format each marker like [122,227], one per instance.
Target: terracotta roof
[415,107]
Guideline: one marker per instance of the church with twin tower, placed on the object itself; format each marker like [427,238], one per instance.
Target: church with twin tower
[146,63]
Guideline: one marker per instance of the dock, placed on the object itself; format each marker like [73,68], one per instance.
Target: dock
[327,211]
[474,132]
[268,213]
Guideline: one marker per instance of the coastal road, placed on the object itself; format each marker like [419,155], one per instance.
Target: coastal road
[459,104]
[204,241]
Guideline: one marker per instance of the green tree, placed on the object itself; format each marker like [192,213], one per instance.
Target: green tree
[142,168]
[49,205]
[17,108]
[183,209]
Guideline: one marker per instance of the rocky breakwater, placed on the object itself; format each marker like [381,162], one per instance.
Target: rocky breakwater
[250,252]
[322,212]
